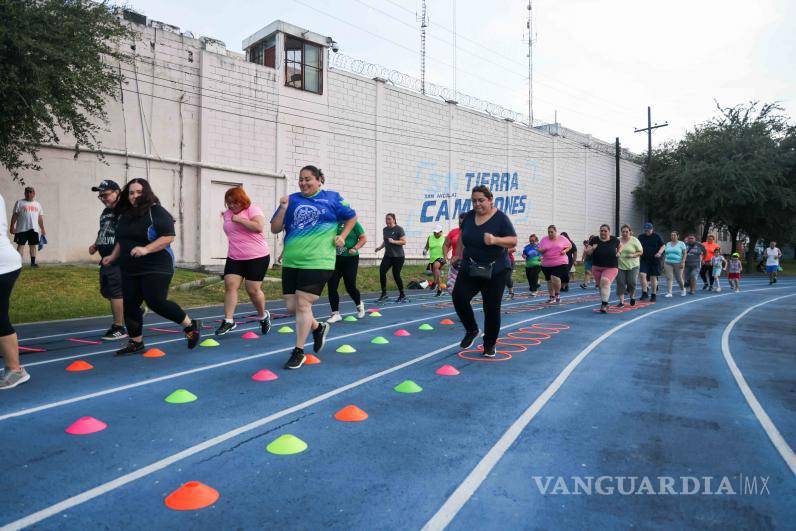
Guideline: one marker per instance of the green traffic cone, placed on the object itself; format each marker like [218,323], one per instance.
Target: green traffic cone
[181,396]
[209,342]
[346,349]
[408,386]
[425,326]
[379,340]
[286,445]
[285,330]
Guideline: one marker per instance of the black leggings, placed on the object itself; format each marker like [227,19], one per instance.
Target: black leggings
[396,263]
[491,292]
[6,285]
[706,274]
[532,274]
[345,267]
[153,289]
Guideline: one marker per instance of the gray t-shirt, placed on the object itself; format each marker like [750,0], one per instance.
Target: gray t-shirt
[694,254]
[396,233]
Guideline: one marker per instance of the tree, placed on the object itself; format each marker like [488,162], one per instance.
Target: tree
[55,74]
[734,171]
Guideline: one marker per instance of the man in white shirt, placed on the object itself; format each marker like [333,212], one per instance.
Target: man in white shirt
[772,254]
[27,224]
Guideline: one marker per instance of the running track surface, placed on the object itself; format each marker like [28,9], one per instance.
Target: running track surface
[646,392]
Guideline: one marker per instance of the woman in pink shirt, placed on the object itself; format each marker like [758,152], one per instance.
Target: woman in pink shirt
[555,263]
[247,257]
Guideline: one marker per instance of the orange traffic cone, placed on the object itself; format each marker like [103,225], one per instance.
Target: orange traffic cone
[154,353]
[312,359]
[79,365]
[191,496]
[351,414]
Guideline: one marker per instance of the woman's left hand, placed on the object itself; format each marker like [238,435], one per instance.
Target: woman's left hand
[339,241]
[489,239]
[138,252]
[352,251]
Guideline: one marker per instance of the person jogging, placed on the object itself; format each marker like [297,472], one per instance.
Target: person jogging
[248,258]
[674,260]
[772,254]
[629,262]
[734,272]
[533,264]
[310,218]
[434,248]
[346,266]
[394,257]
[605,250]
[555,262]
[694,257]
[10,266]
[144,233]
[649,264]
[706,271]
[110,276]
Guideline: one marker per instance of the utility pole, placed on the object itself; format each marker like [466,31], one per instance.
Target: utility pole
[423,25]
[649,129]
[617,186]
[529,26]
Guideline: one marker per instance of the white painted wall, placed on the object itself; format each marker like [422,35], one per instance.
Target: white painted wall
[190,118]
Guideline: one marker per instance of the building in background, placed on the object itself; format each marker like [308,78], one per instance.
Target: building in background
[196,118]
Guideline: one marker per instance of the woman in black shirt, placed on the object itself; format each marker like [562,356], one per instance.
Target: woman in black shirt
[144,232]
[393,245]
[486,234]
[604,250]
[571,254]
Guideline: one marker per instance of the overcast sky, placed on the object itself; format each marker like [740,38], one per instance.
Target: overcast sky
[598,63]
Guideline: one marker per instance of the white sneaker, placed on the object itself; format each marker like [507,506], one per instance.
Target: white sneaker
[360,310]
[682,293]
[718,290]
[336,317]
[668,296]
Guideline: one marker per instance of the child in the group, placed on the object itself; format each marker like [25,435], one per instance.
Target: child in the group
[734,272]
[718,262]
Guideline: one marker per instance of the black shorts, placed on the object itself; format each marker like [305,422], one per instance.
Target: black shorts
[254,269]
[441,262]
[306,280]
[29,237]
[111,281]
[560,271]
[650,267]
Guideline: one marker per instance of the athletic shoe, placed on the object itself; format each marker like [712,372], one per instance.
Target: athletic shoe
[704,287]
[383,298]
[620,305]
[34,265]
[683,292]
[132,347]
[584,285]
[511,295]
[775,280]
[226,327]
[360,310]
[439,292]
[335,318]
[737,290]
[632,301]
[558,299]
[11,379]
[469,339]
[551,300]
[668,296]
[653,297]
[718,290]
[401,298]
[193,333]
[604,307]
[265,323]
[565,288]
[297,359]
[114,333]
[644,296]
[319,336]
[489,352]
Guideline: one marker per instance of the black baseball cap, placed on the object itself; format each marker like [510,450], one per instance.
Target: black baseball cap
[105,185]
[29,189]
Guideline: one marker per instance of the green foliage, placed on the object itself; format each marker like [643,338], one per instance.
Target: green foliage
[57,68]
[735,171]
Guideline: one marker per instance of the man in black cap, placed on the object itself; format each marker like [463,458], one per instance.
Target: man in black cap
[27,224]
[110,275]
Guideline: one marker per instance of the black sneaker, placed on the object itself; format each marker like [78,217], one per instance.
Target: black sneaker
[265,324]
[469,339]
[604,307]
[132,347]
[644,296]
[319,337]
[620,305]
[383,297]
[114,333]
[297,359]
[193,333]
[565,288]
[653,297]
[489,352]
[632,301]
[401,298]
[34,265]
[226,327]
[583,285]
[439,292]
[704,287]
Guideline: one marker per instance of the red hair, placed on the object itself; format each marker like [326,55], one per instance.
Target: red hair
[238,195]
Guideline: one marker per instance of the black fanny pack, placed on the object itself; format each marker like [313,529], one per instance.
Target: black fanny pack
[476,270]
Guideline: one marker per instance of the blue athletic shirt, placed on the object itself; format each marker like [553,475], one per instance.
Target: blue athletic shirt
[674,253]
[311,227]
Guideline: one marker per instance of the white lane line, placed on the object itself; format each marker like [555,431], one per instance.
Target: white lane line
[467,488]
[112,390]
[109,486]
[165,341]
[773,433]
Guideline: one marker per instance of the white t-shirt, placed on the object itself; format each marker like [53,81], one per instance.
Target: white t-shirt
[10,260]
[28,213]
[772,256]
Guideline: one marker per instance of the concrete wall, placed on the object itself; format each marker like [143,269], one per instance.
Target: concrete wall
[195,121]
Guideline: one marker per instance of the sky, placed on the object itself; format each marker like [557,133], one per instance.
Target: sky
[598,64]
